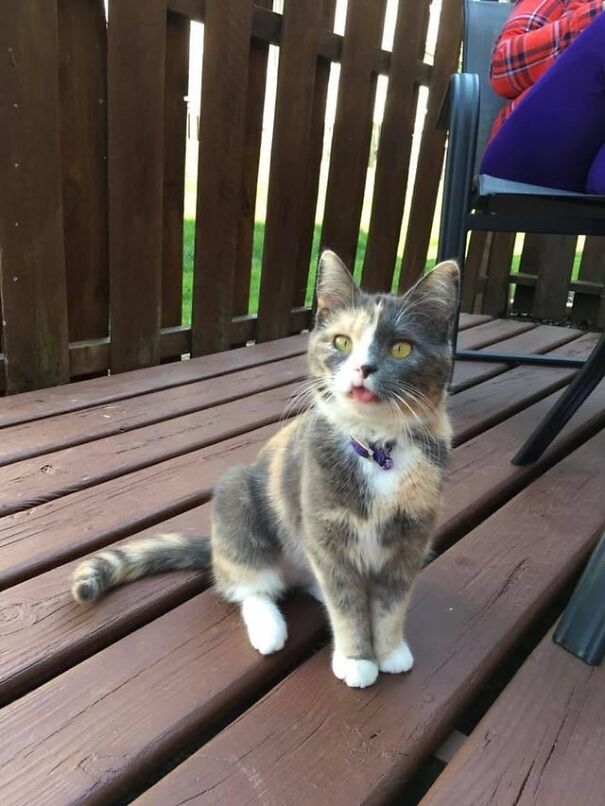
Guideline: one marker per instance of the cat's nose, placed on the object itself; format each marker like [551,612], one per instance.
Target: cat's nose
[367,369]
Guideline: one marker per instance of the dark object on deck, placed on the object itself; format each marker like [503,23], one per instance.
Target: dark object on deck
[497,205]
[582,626]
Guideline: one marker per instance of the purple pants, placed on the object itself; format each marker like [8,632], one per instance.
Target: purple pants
[555,137]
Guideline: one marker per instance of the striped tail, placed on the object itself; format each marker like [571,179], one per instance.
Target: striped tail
[108,569]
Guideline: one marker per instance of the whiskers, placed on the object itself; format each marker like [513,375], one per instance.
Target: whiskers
[413,412]
[305,397]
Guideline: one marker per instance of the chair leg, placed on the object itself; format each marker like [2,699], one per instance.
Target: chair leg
[583,384]
[582,626]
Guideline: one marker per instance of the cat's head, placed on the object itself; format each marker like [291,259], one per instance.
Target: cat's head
[381,359]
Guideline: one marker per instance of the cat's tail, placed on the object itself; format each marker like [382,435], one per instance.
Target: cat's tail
[113,567]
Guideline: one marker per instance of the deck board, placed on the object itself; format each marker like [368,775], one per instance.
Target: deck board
[88,465]
[543,741]
[95,392]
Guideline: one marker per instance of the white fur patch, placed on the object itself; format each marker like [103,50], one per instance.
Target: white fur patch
[355,672]
[266,626]
[398,660]
[265,583]
[347,375]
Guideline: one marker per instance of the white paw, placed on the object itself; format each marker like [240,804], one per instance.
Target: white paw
[266,626]
[398,660]
[355,672]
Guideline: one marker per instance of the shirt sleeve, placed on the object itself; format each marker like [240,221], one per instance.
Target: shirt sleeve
[534,36]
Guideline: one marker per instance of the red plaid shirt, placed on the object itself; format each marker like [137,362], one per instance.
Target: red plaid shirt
[535,34]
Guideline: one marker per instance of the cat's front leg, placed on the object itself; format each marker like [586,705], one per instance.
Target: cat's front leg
[346,598]
[389,598]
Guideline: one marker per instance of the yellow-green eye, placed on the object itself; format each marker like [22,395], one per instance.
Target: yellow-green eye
[401,349]
[343,343]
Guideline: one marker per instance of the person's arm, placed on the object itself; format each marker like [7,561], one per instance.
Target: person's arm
[535,34]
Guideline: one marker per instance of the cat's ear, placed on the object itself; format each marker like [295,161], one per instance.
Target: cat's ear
[436,295]
[335,286]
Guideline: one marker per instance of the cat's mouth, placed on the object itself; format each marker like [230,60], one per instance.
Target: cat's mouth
[363,395]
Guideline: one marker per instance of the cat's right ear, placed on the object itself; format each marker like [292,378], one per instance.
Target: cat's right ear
[335,286]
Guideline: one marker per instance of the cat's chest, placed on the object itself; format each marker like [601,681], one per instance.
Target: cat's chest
[384,488]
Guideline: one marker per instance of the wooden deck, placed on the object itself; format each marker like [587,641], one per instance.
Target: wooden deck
[154,695]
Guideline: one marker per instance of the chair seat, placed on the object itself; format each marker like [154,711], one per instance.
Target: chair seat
[486,185]
[492,195]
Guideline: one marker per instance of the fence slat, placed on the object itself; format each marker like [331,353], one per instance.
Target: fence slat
[227,35]
[316,141]
[591,308]
[430,161]
[495,295]
[352,128]
[135,75]
[289,159]
[83,99]
[257,79]
[393,162]
[550,258]
[32,256]
[474,266]
[175,130]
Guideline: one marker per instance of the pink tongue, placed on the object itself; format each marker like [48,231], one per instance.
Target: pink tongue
[362,394]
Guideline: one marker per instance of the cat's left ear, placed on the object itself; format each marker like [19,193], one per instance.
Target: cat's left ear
[335,286]
[436,295]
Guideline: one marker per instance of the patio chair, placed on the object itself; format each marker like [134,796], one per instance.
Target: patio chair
[481,202]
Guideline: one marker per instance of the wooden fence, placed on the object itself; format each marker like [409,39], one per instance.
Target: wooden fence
[92,152]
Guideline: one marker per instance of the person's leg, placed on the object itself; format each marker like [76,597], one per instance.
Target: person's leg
[596,176]
[553,135]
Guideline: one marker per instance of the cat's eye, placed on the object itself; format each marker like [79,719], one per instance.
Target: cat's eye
[401,349]
[343,343]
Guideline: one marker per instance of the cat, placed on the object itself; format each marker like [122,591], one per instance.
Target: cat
[343,500]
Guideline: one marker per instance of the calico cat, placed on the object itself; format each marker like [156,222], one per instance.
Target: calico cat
[343,500]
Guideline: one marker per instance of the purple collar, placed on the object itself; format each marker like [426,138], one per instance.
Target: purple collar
[373,451]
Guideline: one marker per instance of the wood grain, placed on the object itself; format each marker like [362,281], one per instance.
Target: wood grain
[550,258]
[395,148]
[83,106]
[430,160]
[499,259]
[351,139]
[135,79]
[289,159]
[315,154]
[82,395]
[32,263]
[227,34]
[255,106]
[543,740]
[74,428]
[491,332]
[44,478]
